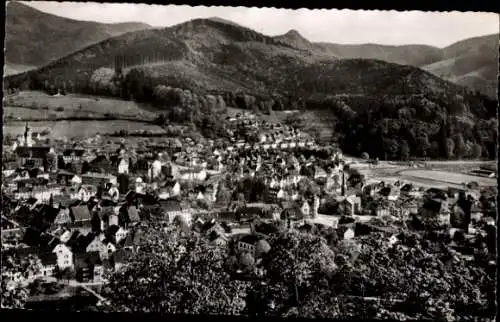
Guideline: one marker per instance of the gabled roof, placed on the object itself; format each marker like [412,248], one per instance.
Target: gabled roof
[107,203]
[119,256]
[112,230]
[250,239]
[170,205]
[406,187]
[87,259]
[48,258]
[31,236]
[80,213]
[77,152]
[31,201]
[262,246]
[147,199]
[34,152]
[432,205]
[344,228]
[100,160]
[133,214]
[293,212]
[106,212]
[215,235]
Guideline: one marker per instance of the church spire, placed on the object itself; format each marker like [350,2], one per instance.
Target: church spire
[343,184]
[26,134]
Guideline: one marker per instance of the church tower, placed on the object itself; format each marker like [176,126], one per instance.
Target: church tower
[315,206]
[343,184]
[26,133]
[27,136]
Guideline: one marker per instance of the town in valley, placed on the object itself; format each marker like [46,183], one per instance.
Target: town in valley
[186,197]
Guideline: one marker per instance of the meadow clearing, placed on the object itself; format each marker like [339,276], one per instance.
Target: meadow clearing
[35,105]
[71,129]
[447,177]
[440,174]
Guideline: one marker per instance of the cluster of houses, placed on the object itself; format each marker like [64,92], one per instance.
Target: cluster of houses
[267,136]
[80,208]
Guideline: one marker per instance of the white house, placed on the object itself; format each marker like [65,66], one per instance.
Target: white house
[306,209]
[64,256]
[114,193]
[76,180]
[98,273]
[84,193]
[349,233]
[22,195]
[273,183]
[393,240]
[63,217]
[355,204]
[164,193]
[121,234]
[97,245]
[176,189]
[315,207]
[185,214]
[48,264]
[123,166]
[193,174]
[110,248]
[65,236]
[281,194]
[139,186]
[113,220]
[156,169]
[44,194]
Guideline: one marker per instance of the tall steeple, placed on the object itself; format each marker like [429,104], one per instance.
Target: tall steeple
[343,184]
[26,134]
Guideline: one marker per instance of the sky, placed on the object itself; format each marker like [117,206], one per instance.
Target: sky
[338,26]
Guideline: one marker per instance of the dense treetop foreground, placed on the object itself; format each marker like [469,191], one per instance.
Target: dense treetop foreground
[418,277]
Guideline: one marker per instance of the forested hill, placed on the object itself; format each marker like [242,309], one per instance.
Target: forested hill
[472,62]
[34,38]
[376,104]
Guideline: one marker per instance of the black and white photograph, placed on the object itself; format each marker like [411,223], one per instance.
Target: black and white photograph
[249,161]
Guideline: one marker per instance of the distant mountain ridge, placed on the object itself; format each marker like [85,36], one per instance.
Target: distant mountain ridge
[471,62]
[34,38]
[214,49]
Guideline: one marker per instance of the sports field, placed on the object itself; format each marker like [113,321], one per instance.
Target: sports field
[447,177]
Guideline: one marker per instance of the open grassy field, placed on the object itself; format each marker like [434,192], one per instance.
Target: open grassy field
[38,105]
[448,177]
[79,128]
[440,174]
